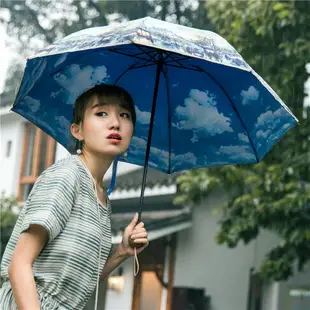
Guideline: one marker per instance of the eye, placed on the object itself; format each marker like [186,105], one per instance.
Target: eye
[124,114]
[101,113]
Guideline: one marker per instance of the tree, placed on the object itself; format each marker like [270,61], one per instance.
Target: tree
[7,221]
[35,23]
[274,38]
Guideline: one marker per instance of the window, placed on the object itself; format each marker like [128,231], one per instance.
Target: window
[8,148]
[38,154]
[299,298]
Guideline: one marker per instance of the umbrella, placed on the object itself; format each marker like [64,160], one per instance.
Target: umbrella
[198,103]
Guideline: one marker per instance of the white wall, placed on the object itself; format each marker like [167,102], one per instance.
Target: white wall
[223,272]
[11,129]
[270,299]
[122,300]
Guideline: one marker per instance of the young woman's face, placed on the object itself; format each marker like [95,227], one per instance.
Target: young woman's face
[106,129]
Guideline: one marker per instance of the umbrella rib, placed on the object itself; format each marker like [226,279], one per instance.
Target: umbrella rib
[144,65]
[233,106]
[124,72]
[96,50]
[175,60]
[148,53]
[182,67]
[144,52]
[129,55]
[169,119]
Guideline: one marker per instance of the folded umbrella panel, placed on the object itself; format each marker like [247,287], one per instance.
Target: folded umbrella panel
[265,116]
[52,84]
[206,130]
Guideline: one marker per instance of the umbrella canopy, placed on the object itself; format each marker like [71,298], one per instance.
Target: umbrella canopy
[198,103]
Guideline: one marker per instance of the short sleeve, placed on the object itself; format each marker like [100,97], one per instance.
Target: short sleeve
[51,200]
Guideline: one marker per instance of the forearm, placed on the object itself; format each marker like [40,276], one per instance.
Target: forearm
[24,287]
[114,260]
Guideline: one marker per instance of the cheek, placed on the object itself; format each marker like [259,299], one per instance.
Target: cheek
[91,125]
[130,131]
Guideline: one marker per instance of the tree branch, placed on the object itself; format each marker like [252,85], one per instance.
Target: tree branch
[95,6]
[45,32]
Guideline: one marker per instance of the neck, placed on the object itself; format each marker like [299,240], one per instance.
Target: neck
[97,165]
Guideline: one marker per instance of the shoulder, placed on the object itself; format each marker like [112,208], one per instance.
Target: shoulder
[65,170]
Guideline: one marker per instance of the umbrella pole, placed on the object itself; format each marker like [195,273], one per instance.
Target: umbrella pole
[148,146]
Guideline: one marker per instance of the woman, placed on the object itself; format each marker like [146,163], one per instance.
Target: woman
[61,242]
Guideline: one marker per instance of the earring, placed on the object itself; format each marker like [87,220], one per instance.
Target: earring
[79,151]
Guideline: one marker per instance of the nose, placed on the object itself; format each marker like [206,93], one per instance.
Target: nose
[114,122]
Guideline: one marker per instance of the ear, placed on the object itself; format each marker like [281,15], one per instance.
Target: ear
[76,131]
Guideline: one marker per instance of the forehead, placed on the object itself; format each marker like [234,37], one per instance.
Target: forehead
[97,101]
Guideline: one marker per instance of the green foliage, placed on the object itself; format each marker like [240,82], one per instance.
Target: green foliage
[274,38]
[7,221]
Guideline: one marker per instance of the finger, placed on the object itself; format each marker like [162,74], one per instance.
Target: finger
[133,222]
[140,225]
[139,235]
[138,231]
[141,240]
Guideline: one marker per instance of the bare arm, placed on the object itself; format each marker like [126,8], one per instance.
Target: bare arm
[133,234]
[29,245]
[114,260]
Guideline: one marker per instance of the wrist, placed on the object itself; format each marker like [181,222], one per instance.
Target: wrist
[121,252]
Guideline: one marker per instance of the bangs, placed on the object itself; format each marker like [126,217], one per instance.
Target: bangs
[102,93]
[103,101]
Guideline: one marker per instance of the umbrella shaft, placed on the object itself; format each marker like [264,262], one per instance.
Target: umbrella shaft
[148,146]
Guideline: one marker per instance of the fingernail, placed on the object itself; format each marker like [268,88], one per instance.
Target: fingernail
[137,214]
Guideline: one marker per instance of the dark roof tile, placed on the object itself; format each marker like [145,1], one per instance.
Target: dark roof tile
[133,179]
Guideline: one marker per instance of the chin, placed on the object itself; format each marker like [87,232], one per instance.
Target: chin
[110,153]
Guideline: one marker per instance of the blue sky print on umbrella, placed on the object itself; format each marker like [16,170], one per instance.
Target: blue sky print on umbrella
[76,78]
[250,95]
[200,114]
[212,108]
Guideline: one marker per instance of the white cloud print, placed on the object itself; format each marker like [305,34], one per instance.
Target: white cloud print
[76,79]
[32,104]
[200,114]
[268,123]
[143,117]
[242,137]
[63,126]
[237,152]
[250,95]
[138,147]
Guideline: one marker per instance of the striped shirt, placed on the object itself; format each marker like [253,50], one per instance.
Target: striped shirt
[64,202]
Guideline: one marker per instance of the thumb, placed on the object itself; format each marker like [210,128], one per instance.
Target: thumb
[134,221]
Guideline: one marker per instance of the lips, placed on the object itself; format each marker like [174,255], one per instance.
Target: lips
[114,136]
